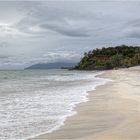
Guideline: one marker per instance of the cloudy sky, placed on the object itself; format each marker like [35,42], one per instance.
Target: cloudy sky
[49,31]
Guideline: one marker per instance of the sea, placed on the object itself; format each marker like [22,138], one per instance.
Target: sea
[34,102]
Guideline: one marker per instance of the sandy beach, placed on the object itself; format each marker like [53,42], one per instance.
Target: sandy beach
[112,112]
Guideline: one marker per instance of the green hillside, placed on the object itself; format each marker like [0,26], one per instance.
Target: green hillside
[110,58]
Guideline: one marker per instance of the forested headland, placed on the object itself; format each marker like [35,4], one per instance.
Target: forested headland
[110,58]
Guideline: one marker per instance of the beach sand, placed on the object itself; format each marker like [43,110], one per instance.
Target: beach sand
[112,112]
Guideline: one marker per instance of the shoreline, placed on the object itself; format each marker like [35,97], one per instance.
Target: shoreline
[74,111]
[106,114]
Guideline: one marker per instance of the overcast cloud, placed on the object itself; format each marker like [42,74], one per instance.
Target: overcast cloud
[44,31]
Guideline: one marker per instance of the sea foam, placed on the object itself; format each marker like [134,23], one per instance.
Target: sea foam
[34,102]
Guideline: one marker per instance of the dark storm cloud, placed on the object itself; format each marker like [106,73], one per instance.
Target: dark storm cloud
[66,30]
[40,19]
[3,57]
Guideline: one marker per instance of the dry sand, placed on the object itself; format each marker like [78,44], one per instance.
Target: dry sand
[113,111]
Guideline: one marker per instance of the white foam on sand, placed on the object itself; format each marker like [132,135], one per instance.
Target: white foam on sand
[37,109]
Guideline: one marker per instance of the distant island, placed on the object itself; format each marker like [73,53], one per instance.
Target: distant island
[110,58]
[55,65]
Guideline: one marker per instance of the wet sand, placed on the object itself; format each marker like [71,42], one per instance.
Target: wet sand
[112,112]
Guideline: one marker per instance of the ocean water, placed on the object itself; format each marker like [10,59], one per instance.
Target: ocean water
[34,102]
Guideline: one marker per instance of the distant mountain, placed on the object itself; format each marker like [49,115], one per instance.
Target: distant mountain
[56,65]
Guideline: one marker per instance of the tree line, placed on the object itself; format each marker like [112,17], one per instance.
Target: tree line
[109,58]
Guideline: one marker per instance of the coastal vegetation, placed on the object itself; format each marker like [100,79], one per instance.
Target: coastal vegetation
[110,58]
